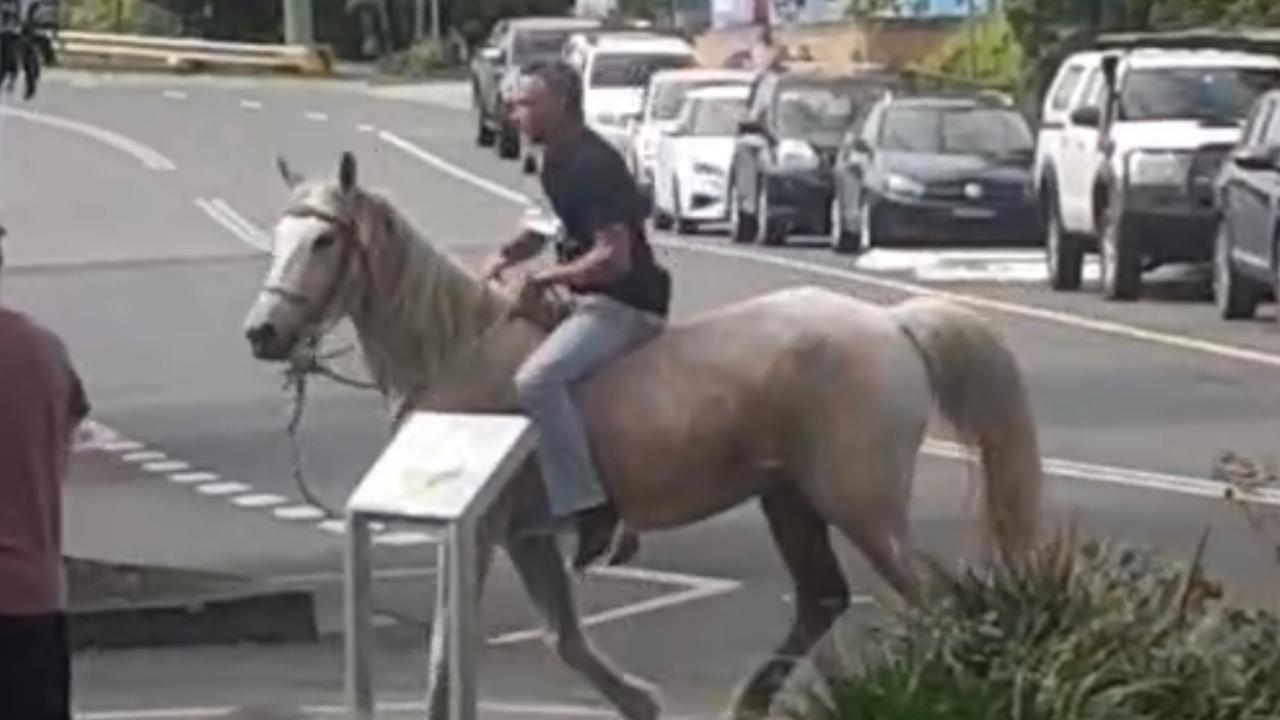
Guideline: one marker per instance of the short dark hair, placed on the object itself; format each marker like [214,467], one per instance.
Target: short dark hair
[562,80]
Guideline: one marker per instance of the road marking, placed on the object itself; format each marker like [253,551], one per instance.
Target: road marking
[175,95]
[418,706]
[119,446]
[1105,327]
[315,116]
[333,527]
[366,128]
[161,467]
[251,104]
[150,158]
[143,456]
[404,538]
[223,488]
[242,229]
[192,478]
[298,512]
[260,500]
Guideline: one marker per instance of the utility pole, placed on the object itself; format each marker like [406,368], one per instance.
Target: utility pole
[299,28]
[435,21]
[973,40]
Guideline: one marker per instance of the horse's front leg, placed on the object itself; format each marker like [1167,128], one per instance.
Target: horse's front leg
[438,669]
[542,570]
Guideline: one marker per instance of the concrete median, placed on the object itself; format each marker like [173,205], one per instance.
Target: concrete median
[140,52]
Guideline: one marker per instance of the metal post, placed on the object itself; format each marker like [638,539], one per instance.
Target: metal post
[973,40]
[359,620]
[437,659]
[462,621]
[299,28]
[435,21]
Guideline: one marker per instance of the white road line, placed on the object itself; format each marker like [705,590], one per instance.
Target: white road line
[150,158]
[260,500]
[175,95]
[366,128]
[162,467]
[224,488]
[121,446]
[211,713]
[405,538]
[194,478]
[143,456]
[329,578]
[298,512]
[333,527]
[315,116]
[1105,327]
[223,214]
[251,104]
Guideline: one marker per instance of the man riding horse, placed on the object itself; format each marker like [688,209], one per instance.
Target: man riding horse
[621,295]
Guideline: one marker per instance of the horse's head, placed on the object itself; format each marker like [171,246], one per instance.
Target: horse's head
[316,256]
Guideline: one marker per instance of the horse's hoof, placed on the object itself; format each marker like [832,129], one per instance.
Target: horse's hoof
[627,548]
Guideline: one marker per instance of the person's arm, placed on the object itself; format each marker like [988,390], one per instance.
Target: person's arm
[608,260]
[525,246]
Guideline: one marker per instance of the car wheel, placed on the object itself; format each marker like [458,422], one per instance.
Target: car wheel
[484,134]
[842,239]
[742,224]
[1121,264]
[768,230]
[683,226]
[530,164]
[1064,252]
[1235,297]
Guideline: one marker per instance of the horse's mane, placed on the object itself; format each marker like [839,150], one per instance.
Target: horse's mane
[422,306]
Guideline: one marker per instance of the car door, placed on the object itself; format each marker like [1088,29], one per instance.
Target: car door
[859,161]
[1080,158]
[1250,196]
[750,147]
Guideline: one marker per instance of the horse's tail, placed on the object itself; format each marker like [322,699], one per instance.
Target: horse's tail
[980,391]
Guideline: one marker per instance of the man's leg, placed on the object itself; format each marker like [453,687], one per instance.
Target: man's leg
[35,667]
[598,332]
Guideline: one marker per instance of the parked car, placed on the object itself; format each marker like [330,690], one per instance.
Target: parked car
[694,154]
[498,66]
[663,99]
[781,174]
[939,169]
[1247,252]
[615,69]
[1131,142]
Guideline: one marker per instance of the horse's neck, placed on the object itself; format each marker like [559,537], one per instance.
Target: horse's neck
[430,312]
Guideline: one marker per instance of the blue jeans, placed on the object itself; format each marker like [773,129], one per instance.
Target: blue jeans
[597,332]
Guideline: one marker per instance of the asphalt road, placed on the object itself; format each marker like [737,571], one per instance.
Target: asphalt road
[137,208]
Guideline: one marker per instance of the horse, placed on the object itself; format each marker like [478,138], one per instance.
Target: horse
[811,402]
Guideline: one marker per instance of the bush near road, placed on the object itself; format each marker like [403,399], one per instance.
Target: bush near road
[1089,631]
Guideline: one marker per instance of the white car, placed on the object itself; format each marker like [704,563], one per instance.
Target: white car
[662,102]
[615,69]
[694,155]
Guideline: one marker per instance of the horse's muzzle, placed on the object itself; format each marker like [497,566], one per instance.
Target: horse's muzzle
[266,342]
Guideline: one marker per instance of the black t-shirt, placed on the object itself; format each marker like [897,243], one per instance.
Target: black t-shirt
[590,189]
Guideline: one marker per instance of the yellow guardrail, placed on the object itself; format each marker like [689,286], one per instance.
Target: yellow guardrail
[77,48]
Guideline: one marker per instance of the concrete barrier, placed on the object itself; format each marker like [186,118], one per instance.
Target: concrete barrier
[188,54]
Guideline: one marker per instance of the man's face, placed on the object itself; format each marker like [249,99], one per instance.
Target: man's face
[537,109]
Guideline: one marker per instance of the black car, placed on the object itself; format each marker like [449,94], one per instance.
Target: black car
[1246,254]
[936,169]
[780,178]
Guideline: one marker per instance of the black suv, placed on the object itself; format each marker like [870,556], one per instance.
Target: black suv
[1246,254]
[780,179]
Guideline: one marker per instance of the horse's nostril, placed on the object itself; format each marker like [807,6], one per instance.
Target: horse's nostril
[261,335]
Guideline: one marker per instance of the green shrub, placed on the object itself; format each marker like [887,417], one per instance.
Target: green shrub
[126,16]
[425,58]
[1078,632]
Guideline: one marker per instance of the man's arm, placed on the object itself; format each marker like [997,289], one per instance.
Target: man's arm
[608,260]
[524,247]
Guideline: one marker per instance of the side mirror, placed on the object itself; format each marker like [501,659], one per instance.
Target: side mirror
[750,127]
[861,145]
[1258,159]
[492,54]
[1088,116]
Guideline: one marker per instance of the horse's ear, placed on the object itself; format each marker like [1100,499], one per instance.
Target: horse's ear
[347,172]
[291,178]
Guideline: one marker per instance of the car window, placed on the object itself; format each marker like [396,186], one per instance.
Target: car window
[668,97]
[632,69]
[1270,131]
[1092,95]
[957,131]
[1215,94]
[531,46]
[715,118]
[1066,87]
[1255,130]
[803,110]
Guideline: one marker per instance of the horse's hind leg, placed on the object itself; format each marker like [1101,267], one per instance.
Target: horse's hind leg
[822,594]
[537,560]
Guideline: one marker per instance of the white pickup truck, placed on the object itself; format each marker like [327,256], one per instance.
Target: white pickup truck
[1130,145]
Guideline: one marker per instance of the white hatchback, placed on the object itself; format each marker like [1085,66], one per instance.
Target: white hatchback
[692,171]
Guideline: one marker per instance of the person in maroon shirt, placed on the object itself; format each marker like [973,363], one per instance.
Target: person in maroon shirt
[41,403]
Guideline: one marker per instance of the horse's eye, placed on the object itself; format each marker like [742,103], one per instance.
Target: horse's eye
[323,241]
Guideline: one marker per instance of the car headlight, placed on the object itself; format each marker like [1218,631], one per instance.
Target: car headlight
[904,186]
[1159,168]
[704,168]
[797,155]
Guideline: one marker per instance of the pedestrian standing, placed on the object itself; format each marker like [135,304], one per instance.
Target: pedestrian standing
[42,402]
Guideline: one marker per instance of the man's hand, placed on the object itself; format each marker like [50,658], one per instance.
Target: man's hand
[495,266]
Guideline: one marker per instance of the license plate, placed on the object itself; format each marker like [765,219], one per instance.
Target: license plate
[973,213]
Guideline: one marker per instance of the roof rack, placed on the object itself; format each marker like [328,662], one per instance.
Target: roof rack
[1258,40]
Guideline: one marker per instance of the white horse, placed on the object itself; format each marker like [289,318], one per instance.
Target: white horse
[814,403]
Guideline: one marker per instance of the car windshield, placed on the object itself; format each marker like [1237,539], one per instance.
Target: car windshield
[806,110]
[1216,94]
[632,70]
[534,45]
[717,117]
[668,97]
[957,131]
